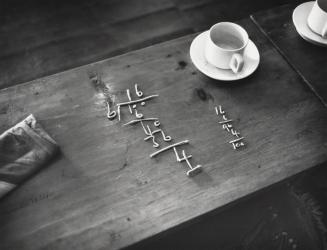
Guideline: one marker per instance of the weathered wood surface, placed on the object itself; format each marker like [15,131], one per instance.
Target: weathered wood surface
[106,193]
[308,59]
[38,38]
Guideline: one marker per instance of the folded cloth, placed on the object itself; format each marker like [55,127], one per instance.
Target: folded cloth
[24,149]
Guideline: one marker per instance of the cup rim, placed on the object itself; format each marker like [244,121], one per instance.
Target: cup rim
[235,25]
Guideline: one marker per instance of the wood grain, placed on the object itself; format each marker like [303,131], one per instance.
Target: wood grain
[307,59]
[204,15]
[39,38]
[106,193]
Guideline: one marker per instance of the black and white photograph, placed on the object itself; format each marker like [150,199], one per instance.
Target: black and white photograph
[163,125]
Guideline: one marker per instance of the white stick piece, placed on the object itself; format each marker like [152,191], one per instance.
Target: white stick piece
[169,147]
[138,115]
[139,120]
[137,101]
[225,118]
[237,145]
[236,140]
[138,92]
[217,112]
[227,126]
[185,158]
[178,158]
[118,111]
[226,121]
[110,114]
[221,111]
[164,136]
[147,132]
[151,136]
[154,143]
[235,133]
[130,99]
[194,171]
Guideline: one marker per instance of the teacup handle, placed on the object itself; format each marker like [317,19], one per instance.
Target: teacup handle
[236,63]
[324,31]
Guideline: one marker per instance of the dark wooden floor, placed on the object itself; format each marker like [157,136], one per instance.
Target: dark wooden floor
[39,38]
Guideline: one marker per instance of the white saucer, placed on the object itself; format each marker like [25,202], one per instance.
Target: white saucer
[251,61]
[300,16]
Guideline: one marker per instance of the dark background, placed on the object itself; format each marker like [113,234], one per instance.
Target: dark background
[39,37]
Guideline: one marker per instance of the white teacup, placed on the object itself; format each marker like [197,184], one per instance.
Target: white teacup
[225,46]
[317,19]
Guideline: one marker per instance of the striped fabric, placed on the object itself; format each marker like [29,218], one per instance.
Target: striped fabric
[24,149]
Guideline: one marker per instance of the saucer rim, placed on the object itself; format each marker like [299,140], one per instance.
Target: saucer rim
[314,42]
[310,36]
[218,76]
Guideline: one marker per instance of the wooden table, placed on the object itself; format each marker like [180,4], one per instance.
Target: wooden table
[40,38]
[307,59]
[105,192]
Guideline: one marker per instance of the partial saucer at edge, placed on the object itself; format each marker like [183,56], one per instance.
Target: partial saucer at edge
[300,17]
[251,61]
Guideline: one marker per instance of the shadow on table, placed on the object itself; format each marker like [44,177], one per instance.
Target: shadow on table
[287,215]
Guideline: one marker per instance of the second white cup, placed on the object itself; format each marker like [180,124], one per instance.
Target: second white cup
[317,19]
[225,46]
